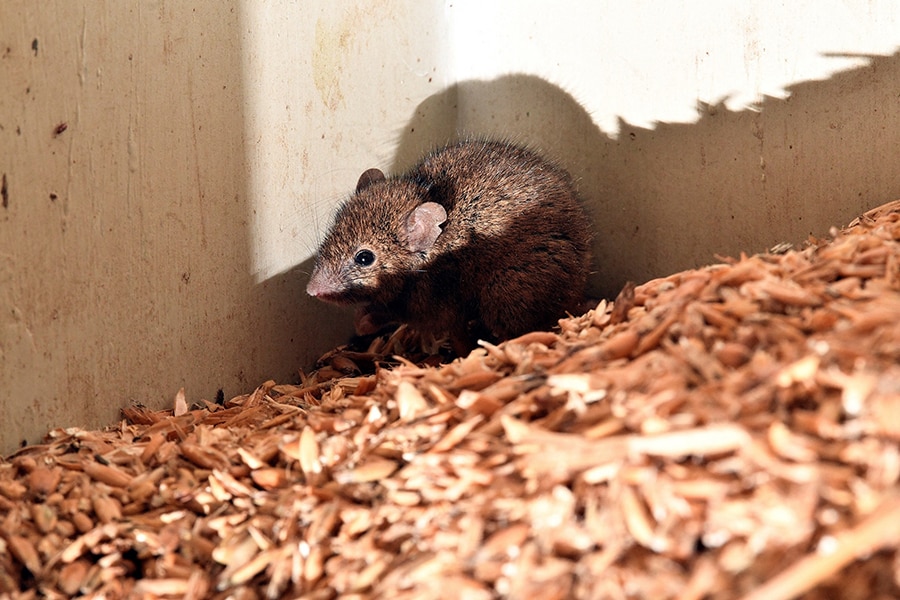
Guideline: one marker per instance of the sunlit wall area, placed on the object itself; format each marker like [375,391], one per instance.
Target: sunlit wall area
[329,88]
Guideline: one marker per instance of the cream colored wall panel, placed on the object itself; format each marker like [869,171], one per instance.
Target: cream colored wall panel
[162,239]
[123,232]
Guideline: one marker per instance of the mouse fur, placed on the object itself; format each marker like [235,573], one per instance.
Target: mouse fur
[480,240]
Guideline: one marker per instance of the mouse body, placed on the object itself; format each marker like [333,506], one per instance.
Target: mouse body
[480,240]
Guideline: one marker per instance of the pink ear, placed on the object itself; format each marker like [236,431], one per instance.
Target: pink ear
[369,177]
[423,226]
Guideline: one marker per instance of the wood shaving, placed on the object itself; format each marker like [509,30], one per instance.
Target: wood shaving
[725,432]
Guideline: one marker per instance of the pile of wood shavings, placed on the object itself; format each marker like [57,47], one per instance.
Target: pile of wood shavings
[725,432]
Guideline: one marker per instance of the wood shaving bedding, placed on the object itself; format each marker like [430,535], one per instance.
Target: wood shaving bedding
[725,432]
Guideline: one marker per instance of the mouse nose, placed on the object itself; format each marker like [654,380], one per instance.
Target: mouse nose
[323,283]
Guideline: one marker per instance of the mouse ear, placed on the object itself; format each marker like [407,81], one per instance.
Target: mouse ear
[423,226]
[369,177]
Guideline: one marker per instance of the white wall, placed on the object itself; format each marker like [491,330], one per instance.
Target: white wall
[163,239]
[647,62]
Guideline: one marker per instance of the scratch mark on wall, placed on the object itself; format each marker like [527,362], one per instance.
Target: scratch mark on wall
[133,151]
[4,192]
[82,73]
[198,179]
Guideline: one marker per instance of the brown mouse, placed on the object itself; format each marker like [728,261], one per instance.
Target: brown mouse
[480,240]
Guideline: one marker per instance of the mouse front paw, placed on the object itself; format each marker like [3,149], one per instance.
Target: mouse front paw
[369,320]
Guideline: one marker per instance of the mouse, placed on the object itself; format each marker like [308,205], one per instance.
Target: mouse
[482,239]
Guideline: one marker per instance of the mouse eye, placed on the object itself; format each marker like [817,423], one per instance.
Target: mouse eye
[364,258]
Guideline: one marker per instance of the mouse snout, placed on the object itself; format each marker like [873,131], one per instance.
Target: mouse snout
[323,283]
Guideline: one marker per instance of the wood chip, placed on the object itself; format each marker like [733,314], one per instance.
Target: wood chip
[107,474]
[724,431]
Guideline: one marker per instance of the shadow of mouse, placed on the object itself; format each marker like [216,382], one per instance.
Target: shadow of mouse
[678,195]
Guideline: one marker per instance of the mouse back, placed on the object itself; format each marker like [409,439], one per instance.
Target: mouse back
[481,238]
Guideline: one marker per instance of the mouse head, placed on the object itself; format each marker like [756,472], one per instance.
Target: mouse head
[380,237]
